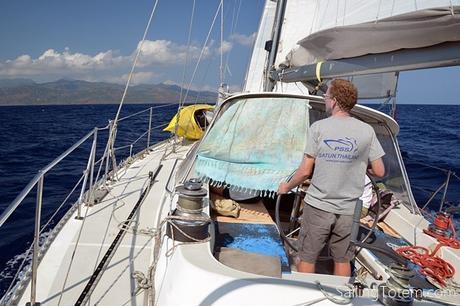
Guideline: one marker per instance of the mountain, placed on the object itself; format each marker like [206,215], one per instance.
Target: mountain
[10,83]
[27,92]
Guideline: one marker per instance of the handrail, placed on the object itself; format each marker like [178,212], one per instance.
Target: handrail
[135,114]
[145,110]
[38,179]
[139,138]
[62,203]
[12,207]
[15,203]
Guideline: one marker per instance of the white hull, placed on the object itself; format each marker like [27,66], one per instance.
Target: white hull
[185,274]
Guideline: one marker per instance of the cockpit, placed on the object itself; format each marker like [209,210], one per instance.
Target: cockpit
[256,141]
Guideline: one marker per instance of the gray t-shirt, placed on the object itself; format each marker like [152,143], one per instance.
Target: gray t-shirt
[342,148]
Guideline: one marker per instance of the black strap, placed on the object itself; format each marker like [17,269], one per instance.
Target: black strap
[108,255]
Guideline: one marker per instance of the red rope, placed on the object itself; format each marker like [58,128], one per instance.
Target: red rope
[432,265]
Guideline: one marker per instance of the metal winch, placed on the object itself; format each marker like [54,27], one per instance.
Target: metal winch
[189,222]
[396,291]
[191,196]
[441,225]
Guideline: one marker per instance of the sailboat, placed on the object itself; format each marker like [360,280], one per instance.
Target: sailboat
[199,222]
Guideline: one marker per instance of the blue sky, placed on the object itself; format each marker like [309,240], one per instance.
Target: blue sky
[95,41]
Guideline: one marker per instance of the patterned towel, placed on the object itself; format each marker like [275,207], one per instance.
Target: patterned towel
[255,144]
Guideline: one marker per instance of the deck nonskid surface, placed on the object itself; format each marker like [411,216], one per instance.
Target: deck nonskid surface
[116,286]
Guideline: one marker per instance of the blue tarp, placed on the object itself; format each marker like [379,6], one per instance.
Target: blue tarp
[263,239]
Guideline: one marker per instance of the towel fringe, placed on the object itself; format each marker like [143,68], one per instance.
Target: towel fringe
[237,188]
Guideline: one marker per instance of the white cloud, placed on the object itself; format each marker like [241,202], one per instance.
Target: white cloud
[171,82]
[244,40]
[165,52]
[140,78]
[79,65]
[159,58]
[226,46]
[67,63]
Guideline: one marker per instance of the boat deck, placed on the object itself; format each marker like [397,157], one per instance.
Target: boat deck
[81,244]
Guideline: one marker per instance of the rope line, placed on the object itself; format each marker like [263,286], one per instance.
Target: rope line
[139,50]
[62,204]
[102,266]
[181,102]
[186,55]
[148,282]
[73,256]
[221,42]
[431,265]
[235,18]
[201,53]
[146,110]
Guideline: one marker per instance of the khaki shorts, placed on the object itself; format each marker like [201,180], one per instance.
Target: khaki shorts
[319,227]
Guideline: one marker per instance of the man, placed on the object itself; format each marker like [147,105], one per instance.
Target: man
[340,148]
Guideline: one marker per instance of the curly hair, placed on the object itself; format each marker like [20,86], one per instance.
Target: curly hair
[345,93]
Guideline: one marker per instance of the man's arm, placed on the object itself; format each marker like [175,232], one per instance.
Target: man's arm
[301,174]
[377,168]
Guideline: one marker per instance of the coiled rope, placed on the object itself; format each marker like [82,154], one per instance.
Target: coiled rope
[432,265]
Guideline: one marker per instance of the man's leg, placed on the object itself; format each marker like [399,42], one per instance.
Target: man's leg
[305,267]
[341,250]
[342,268]
[314,232]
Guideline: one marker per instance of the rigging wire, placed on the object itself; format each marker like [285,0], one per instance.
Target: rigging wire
[113,131]
[139,50]
[72,257]
[221,41]
[202,51]
[187,54]
[26,256]
[235,18]
[205,74]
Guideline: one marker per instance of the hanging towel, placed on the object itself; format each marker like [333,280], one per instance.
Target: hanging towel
[255,144]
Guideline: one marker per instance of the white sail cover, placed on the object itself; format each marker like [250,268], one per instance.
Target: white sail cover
[417,29]
[337,29]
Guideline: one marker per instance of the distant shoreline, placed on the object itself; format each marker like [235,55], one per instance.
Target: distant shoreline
[102,103]
[23,92]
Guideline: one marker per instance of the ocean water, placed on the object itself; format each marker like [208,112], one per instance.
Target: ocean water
[429,139]
[32,136]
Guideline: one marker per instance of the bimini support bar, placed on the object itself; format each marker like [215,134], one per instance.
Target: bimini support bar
[441,55]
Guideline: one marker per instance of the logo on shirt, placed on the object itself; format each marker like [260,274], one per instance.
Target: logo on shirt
[341,150]
[346,144]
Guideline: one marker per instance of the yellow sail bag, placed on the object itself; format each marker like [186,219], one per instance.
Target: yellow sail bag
[192,121]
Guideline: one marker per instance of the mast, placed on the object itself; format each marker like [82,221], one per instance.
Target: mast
[272,46]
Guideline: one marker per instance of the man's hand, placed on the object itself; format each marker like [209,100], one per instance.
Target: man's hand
[301,174]
[283,188]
